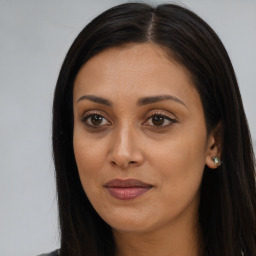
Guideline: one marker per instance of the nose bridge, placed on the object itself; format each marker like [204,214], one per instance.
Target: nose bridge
[124,150]
[123,140]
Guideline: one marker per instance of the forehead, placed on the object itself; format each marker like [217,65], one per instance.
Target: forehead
[135,69]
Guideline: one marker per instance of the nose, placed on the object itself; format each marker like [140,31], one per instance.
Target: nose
[124,151]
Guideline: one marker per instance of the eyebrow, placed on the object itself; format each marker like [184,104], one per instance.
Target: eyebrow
[141,101]
[96,99]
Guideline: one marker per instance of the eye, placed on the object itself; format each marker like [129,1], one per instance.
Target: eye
[160,120]
[156,120]
[94,120]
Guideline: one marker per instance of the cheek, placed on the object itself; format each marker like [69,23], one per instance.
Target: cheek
[181,161]
[90,157]
[181,171]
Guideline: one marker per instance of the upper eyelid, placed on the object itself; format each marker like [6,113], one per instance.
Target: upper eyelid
[94,112]
[161,112]
[172,120]
[156,112]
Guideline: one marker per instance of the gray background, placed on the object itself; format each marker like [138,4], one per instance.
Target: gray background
[34,38]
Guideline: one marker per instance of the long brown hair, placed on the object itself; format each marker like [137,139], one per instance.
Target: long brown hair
[228,195]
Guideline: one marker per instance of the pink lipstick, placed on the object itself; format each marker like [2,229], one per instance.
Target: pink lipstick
[127,189]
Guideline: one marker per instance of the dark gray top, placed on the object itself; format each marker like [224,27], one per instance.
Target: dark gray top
[54,253]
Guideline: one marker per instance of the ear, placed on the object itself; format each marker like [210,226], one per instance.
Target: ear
[214,147]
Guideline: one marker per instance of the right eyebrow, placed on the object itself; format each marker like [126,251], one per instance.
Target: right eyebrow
[96,99]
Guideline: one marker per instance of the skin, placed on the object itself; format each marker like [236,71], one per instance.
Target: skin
[128,143]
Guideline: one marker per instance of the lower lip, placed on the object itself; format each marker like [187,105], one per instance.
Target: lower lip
[127,193]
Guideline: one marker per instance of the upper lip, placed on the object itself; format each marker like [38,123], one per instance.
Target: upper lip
[127,183]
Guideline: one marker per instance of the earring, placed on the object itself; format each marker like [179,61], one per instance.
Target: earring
[216,160]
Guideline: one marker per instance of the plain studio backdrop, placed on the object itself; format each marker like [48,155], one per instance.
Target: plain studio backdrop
[34,38]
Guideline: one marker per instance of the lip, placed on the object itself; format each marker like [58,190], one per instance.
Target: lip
[119,183]
[127,189]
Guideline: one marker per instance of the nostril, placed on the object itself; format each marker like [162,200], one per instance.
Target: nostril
[124,165]
[113,162]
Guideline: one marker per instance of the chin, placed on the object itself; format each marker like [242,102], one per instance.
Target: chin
[131,227]
[130,222]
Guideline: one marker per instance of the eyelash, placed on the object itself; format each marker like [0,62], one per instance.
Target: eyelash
[158,114]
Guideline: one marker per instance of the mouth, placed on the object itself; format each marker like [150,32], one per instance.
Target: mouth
[127,189]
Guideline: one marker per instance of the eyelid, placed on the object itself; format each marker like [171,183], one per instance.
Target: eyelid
[91,113]
[164,115]
[161,113]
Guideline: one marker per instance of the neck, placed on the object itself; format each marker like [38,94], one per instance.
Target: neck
[177,239]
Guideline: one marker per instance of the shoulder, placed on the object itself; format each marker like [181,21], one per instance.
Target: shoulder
[54,253]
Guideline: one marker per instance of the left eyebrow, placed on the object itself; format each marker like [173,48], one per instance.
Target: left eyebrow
[153,99]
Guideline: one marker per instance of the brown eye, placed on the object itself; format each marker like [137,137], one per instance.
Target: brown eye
[158,120]
[93,120]
[96,119]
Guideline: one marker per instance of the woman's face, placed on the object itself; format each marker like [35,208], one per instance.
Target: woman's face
[140,138]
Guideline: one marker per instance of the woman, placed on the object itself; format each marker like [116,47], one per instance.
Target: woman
[151,145]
